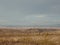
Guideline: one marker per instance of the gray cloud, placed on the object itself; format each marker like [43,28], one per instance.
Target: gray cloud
[31,6]
[30,11]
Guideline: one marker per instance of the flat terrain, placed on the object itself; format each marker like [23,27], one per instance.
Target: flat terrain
[29,36]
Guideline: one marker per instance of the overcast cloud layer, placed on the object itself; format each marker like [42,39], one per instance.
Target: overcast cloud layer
[30,12]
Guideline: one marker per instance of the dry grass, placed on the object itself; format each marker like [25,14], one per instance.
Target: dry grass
[29,37]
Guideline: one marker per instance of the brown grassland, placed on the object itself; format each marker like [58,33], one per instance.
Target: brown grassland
[32,36]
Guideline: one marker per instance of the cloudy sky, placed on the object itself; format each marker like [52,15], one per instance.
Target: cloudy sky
[30,12]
